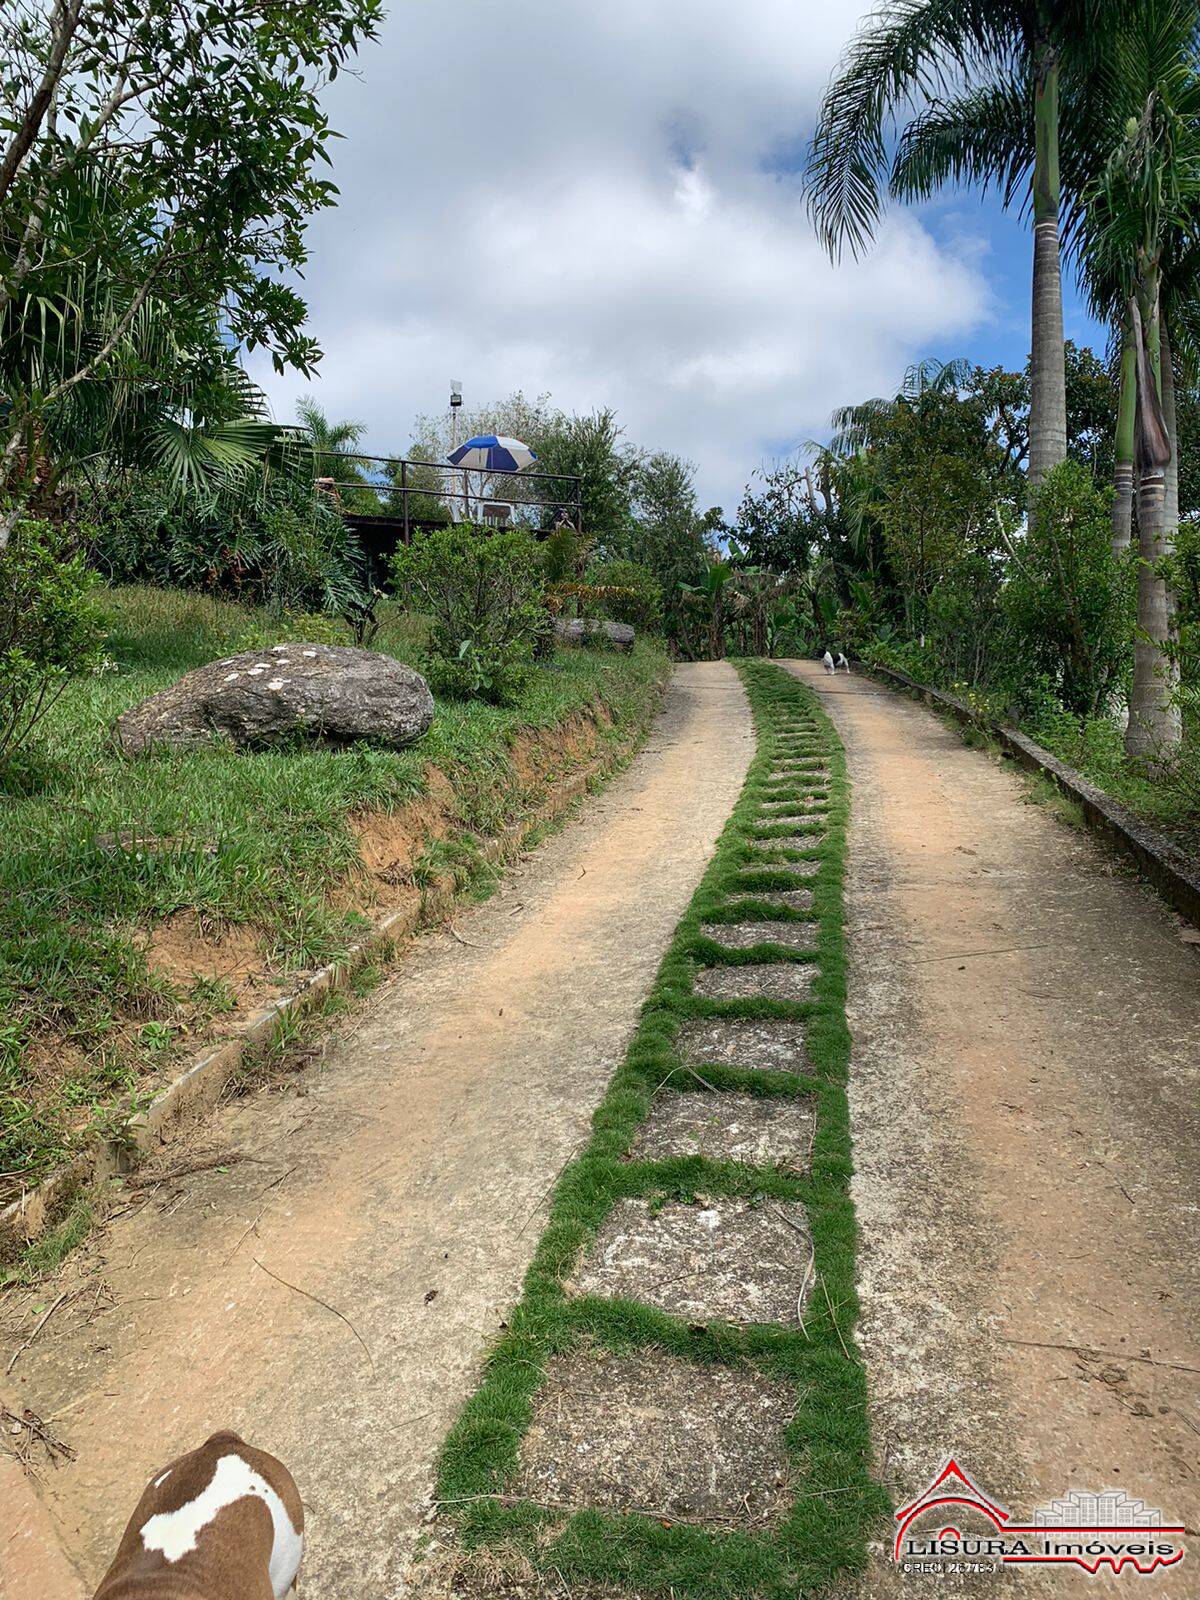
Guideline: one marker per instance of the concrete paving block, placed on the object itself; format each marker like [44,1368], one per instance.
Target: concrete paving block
[742,935]
[650,1433]
[789,841]
[793,899]
[792,869]
[722,1260]
[795,815]
[790,981]
[754,1044]
[759,1130]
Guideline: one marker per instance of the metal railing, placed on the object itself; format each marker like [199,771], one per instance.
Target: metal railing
[414,493]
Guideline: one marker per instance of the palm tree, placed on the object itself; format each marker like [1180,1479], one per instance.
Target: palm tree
[333,443]
[982,135]
[190,413]
[980,68]
[1125,444]
[859,426]
[1142,214]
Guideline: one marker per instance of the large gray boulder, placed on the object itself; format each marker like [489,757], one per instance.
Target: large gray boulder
[579,630]
[322,691]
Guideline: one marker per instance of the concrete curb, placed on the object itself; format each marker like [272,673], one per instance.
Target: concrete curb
[198,1088]
[1155,857]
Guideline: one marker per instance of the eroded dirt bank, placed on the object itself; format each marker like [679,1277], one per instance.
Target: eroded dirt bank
[398,1180]
[1026,1024]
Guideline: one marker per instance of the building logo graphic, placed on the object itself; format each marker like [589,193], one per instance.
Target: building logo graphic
[1112,1509]
[955,1526]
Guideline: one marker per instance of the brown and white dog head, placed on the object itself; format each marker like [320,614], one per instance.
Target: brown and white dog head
[223,1522]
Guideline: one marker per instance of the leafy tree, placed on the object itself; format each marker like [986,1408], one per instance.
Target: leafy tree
[593,448]
[1068,594]
[49,627]
[939,497]
[157,162]
[856,427]
[1003,397]
[779,522]
[434,433]
[419,489]
[917,481]
[671,535]
[483,595]
[1092,402]
[1188,452]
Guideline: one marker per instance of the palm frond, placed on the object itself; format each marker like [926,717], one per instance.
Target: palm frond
[936,377]
[982,137]
[856,427]
[200,459]
[909,52]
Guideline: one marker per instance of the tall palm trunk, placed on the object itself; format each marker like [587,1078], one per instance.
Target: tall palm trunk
[1048,379]
[1122,511]
[1154,722]
[1170,422]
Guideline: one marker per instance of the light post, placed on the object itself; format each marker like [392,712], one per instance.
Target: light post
[455,408]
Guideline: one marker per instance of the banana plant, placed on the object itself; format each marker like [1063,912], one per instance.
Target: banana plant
[709,596]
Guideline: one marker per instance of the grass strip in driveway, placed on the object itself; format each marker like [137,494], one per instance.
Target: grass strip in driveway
[831,1500]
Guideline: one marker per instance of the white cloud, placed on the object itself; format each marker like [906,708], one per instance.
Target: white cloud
[594,200]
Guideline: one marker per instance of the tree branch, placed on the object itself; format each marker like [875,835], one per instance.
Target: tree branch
[64,21]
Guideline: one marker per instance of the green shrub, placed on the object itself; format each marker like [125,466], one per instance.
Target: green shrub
[50,626]
[483,595]
[1181,569]
[270,542]
[1068,599]
[625,591]
[564,552]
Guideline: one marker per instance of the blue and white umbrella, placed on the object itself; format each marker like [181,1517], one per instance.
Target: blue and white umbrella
[490,452]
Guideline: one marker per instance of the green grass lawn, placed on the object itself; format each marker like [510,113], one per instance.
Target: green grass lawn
[98,849]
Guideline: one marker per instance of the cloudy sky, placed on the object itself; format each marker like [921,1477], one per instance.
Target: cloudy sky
[601,201]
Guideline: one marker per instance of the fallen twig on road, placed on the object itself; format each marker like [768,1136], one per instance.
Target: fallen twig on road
[148,1180]
[316,1299]
[1087,1350]
[45,1318]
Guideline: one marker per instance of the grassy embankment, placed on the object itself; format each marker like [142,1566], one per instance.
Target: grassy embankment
[144,904]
